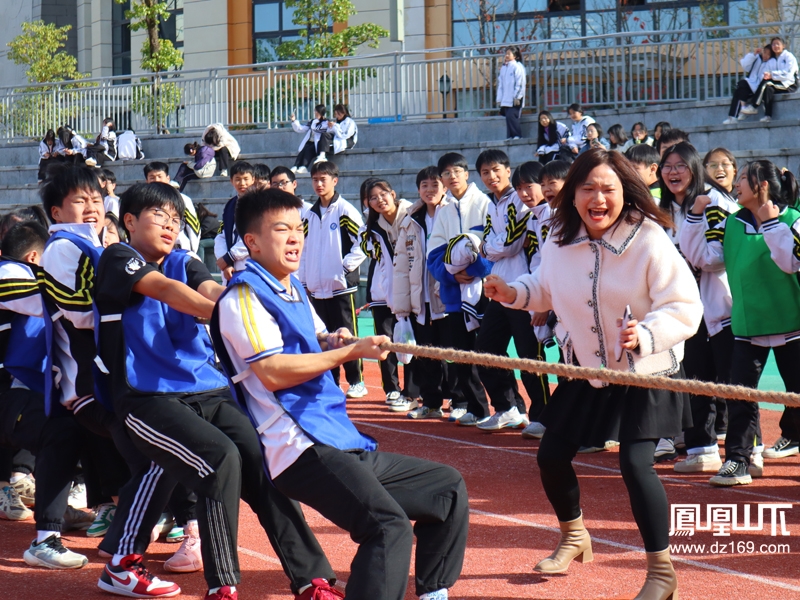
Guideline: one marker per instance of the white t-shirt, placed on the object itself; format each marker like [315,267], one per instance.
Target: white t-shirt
[250,334]
[111,205]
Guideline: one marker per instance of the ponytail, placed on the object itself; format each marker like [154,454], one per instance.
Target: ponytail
[789,188]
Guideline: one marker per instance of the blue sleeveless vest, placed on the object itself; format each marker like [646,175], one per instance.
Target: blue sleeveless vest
[166,351]
[318,405]
[23,349]
[52,399]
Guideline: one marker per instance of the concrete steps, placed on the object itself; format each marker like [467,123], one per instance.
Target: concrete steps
[397,151]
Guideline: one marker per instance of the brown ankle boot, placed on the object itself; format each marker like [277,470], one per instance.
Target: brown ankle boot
[575,543]
[661,582]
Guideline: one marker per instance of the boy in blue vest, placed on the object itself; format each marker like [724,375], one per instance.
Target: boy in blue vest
[228,247]
[176,405]
[74,202]
[57,442]
[265,332]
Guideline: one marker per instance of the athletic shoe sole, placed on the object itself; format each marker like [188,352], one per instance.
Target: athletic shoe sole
[769,453]
[119,592]
[498,428]
[667,457]
[532,436]
[730,481]
[37,562]
[703,468]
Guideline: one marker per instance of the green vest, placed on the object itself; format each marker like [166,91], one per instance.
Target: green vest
[766,301]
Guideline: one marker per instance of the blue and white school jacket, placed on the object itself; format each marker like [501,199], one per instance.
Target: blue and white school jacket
[22,337]
[318,405]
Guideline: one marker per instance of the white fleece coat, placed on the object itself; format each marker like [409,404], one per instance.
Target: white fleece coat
[411,269]
[588,283]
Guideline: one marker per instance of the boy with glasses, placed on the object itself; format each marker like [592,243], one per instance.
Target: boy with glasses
[464,215]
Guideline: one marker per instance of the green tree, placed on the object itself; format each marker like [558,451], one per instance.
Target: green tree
[156,99]
[327,82]
[40,47]
[318,40]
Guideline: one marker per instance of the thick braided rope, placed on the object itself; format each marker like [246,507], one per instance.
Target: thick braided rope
[688,386]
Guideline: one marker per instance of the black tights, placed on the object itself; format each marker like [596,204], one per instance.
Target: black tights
[647,495]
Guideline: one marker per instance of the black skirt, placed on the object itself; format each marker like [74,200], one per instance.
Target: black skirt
[590,416]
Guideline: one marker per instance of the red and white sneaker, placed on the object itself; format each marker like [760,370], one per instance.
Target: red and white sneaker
[223,593]
[320,590]
[132,579]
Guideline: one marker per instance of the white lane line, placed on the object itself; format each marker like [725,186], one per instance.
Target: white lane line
[532,454]
[630,548]
[340,583]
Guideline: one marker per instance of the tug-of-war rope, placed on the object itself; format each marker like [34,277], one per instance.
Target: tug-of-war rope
[687,386]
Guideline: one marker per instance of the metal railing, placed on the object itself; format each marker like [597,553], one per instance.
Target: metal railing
[615,70]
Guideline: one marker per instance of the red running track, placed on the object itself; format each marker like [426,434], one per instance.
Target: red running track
[511,526]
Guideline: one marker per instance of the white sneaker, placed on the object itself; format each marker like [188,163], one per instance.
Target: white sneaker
[501,420]
[293,169]
[665,450]
[90,162]
[534,431]
[741,117]
[765,119]
[747,109]
[404,404]
[423,412]
[456,414]
[756,468]
[471,420]
[320,158]
[729,121]
[706,462]
[680,441]
[52,554]
[301,170]
[77,496]
[12,507]
[357,390]
[223,173]
[392,397]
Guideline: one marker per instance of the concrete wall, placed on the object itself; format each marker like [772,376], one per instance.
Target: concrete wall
[205,33]
[12,16]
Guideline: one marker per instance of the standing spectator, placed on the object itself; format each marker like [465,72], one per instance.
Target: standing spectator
[202,166]
[511,91]
[261,174]
[226,148]
[594,138]
[48,153]
[661,128]
[552,141]
[645,160]
[111,200]
[756,63]
[577,139]
[720,165]
[618,138]
[781,80]
[670,138]
[107,140]
[639,134]
[344,128]
[317,141]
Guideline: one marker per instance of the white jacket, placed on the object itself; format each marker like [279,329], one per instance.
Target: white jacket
[714,289]
[189,238]
[331,255]
[460,216]
[342,132]
[785,72]
[410,274]
[225,139]
[537,230]
[464,250]
[577,138]
[756,67]
[504,235]
[378,243]
[511,84]
[588,283]
[316,127]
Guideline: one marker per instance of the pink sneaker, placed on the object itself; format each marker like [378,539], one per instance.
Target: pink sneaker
[320,590]
[188,558]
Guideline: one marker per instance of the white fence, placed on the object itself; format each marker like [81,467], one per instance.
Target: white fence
[617,70]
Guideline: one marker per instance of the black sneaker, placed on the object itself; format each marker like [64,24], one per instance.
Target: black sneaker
[782,448]
[732,473]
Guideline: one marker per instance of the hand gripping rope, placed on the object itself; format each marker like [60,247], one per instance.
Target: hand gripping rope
[686,386]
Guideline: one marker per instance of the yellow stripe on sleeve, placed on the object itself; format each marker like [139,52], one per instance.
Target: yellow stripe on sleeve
[249,321]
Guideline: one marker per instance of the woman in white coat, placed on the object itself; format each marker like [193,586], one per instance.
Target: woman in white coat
[511,91]
[226,148]
[608,255]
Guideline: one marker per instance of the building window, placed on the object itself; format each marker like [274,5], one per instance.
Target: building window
[272,25]
[478,22]
[121,38]
[172,28]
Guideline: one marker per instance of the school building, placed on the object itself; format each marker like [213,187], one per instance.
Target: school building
[218,33]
